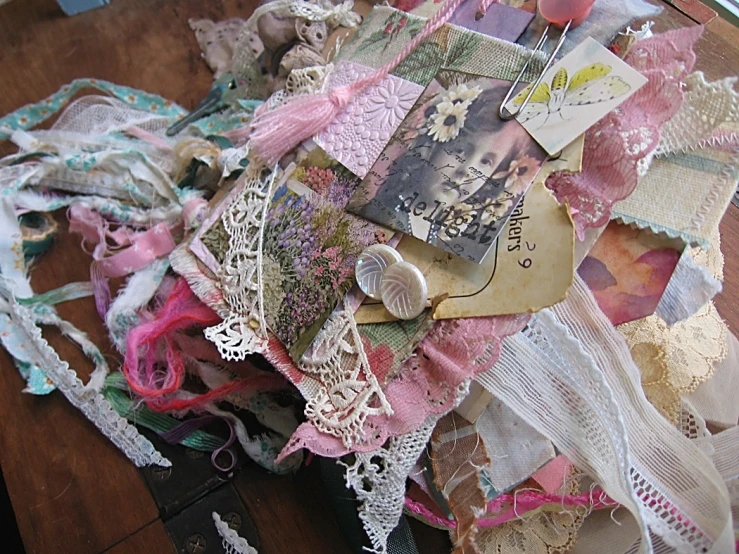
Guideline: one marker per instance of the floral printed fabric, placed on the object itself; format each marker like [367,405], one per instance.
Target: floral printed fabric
[386,31]
[310,248]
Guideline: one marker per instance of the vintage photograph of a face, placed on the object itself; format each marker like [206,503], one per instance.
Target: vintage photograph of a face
[453,171]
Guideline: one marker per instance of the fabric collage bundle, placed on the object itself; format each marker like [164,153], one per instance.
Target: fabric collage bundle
[529,358]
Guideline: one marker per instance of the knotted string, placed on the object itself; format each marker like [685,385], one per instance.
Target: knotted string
[274,133]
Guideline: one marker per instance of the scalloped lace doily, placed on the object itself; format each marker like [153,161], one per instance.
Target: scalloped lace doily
[362,129]
[336,379]
[675,360]
[452,352]
[349,391]
[230,540]
[244,330]
[545,532]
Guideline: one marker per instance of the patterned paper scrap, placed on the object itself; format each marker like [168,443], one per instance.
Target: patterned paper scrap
[454,171]
[364,127]
[575,93]
[628,270]
[310,248]
[500,21]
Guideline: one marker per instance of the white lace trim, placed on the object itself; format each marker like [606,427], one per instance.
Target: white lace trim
[95,407]
[347,390]
[318,10]
[671,488]
[378,479]
[706,107]
[244,330]
[230,539]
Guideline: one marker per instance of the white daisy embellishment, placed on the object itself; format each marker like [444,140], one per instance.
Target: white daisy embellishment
[447,121]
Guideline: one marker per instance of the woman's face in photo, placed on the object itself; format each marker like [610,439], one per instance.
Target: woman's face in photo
[472,159]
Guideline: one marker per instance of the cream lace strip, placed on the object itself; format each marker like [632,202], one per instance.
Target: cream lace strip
[571,377]
[244,330]
[90,402]
[230,540]
[675,360]
[706,108]
[345,390]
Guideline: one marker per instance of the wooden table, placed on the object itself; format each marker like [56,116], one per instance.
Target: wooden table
[72,491]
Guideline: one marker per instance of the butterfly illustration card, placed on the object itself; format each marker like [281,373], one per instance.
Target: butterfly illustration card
[453,172]
[575,93]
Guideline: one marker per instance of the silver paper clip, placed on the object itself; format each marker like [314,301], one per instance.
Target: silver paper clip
[504,112]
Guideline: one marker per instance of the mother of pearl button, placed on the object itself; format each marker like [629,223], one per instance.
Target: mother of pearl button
[371,264]
[404,291]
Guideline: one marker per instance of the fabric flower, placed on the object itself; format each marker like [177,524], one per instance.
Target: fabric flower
[447,121]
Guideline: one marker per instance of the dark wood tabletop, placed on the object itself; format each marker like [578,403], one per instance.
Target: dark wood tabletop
[72,491]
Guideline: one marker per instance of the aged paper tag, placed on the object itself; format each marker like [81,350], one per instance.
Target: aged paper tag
[530,266]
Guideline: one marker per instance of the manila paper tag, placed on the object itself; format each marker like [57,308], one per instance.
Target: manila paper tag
[529,268]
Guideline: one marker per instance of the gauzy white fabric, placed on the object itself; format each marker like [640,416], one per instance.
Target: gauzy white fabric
[715,400]
[516,449]
[570,376]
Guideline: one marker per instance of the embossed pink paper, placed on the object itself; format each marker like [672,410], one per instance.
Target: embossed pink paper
[364,127]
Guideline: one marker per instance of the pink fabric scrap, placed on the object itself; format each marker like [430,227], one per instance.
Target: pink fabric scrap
[552,476]
[455,351]
[629,134]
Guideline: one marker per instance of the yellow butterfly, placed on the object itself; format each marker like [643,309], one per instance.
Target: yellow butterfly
[589,85]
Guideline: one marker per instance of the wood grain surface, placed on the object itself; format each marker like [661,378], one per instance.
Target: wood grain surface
[72,491]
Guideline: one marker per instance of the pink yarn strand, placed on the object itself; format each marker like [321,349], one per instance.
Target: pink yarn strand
[274,133]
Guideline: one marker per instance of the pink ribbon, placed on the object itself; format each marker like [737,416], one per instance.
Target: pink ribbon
[145,248]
